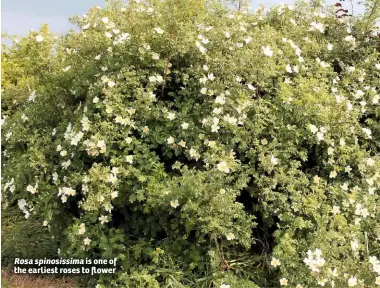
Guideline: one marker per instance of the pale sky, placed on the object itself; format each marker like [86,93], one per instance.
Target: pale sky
[19,16]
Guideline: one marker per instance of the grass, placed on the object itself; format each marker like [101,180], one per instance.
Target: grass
[27,239]
[11,280]
[24,238]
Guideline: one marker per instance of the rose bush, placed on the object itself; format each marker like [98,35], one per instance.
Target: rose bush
[201,146]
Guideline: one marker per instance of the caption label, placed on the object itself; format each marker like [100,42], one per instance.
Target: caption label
[64,266]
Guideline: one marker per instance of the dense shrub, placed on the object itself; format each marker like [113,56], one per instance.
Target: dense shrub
[203,147]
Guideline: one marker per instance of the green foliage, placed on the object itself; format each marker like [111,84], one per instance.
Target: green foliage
[25,66]
[203,147]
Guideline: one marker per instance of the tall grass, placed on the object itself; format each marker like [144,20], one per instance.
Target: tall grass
[24,238]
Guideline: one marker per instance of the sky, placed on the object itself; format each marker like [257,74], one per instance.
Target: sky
[20,16]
